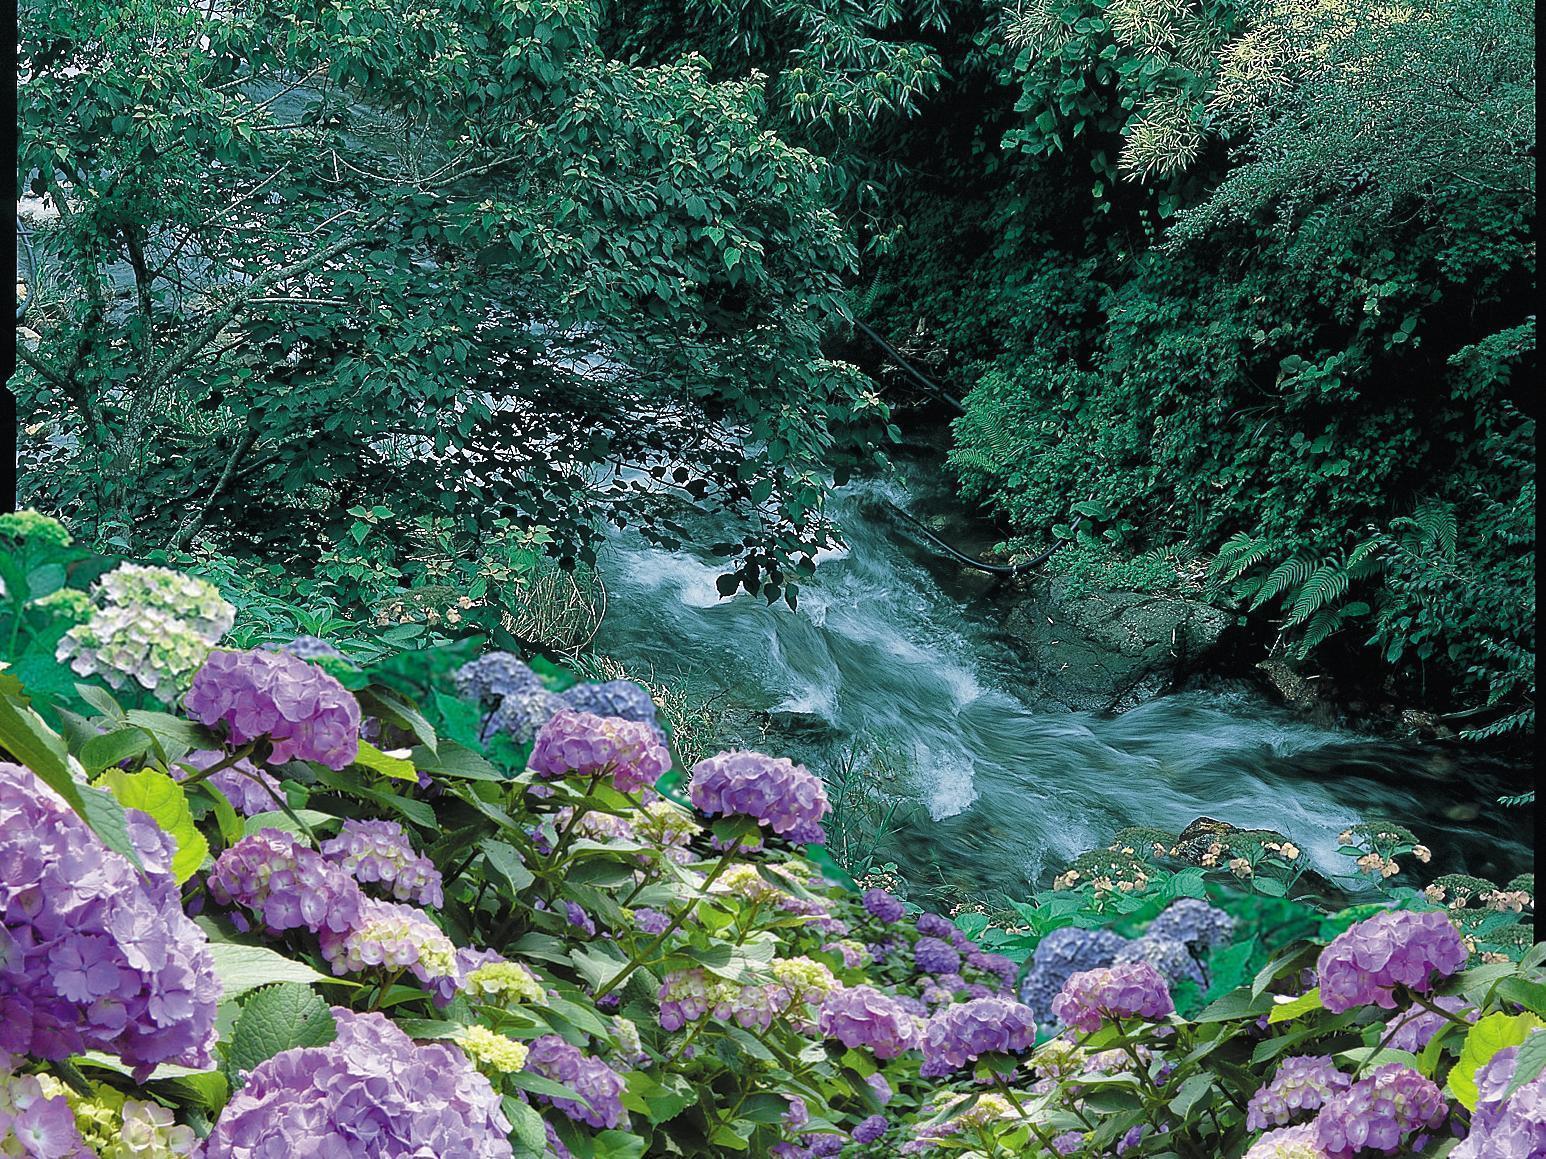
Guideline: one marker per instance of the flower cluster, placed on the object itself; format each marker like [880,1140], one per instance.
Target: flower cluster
[1302,1083]
[1380,1113]
[861,1016]
[493,676]
[371,1091]
[598,1084]
[95,955]
[1504,1124]
[774,791]
[498,981]
[1059,956]
[1364,963]
[34,1123]
[1196,924]
[250,790]
[150,625]
[620,698]
[1288,1143]
[1412,1032]
[932,956]
[29,525]
[961,1033]
[379,853]
[490,1051]
[521,714]
[582,744]
[1173,959]
[1129,990]
[882,906]
[285,885]
[304,712]
[394,937]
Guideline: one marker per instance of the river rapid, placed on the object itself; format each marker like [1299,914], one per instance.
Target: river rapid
[896,654]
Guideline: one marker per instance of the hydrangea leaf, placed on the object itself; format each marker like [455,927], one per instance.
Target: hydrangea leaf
[387,765]
[525,1124]
[1294,1007]
[165,801]
[280,820]
[241,968]
[275,1019]
[618,1145]
[455,760]
[506,863]
[24,735]
[1491,1034]
[174,738]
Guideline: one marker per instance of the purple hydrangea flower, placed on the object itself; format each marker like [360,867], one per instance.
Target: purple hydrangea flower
[1132,989]
[578,918]
[824,1146]
[1417,1026]
[1059,956]
[877,1083]
[1002,968]
[1288,1143]
[882,906]
[250,789]
[932,956]
[798,1113]
[305,713]
[960,1034]
[1506,1128]
[285,884]
[931,925]
[686,996]
[774,791]
[862,1016]
[598,1084]
[371,1091]
[34,1124]
[95,955]
[1366,961]
[521,715]
[379,853]
[306,648]
[1380,1113]
[581,744]
[1068,1142]
[1132,1138]
[651,921]
[1196,923]
[493,676]
[871,1129]
[1302,1083]
[1170,957]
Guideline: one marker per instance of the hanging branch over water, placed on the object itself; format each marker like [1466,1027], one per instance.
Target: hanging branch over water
[1014,569]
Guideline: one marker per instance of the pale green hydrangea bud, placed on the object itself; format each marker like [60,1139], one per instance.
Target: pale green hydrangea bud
[32,526]
[70,604]
[490,1052]
[186,597]
[505,982]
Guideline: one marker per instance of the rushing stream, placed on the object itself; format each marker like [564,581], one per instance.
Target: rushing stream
[891,649]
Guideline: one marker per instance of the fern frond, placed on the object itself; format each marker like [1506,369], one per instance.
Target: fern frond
[1288,574]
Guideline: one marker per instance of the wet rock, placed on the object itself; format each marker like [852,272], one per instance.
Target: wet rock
[1111,650]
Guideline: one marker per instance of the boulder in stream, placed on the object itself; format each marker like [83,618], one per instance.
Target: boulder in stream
[1094,650]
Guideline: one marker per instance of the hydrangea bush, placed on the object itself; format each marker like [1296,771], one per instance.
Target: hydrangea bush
[554,941]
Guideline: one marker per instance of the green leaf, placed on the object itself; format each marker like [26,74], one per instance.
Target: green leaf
[166,802]
[1304,1004]
[1491,1034]
[455,760]
[275,1019]
[374,759]
[111,748]
[618,1145]
[525,1124]
[174,738]
[242,968]
[24,735]
[1192,1090]
[389,706]
[506,863]
[280,820]
[231,830]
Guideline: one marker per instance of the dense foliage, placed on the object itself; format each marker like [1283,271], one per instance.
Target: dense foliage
[494,267]
[449,901]
[1251,282]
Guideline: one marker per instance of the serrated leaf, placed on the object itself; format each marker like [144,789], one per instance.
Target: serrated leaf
[525,1124]
[242,968]
[111,748]
[1192,1090]
[1486,1038]
[174,737]
[275,1019]
[507,865]
[278,820]
[166,802]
